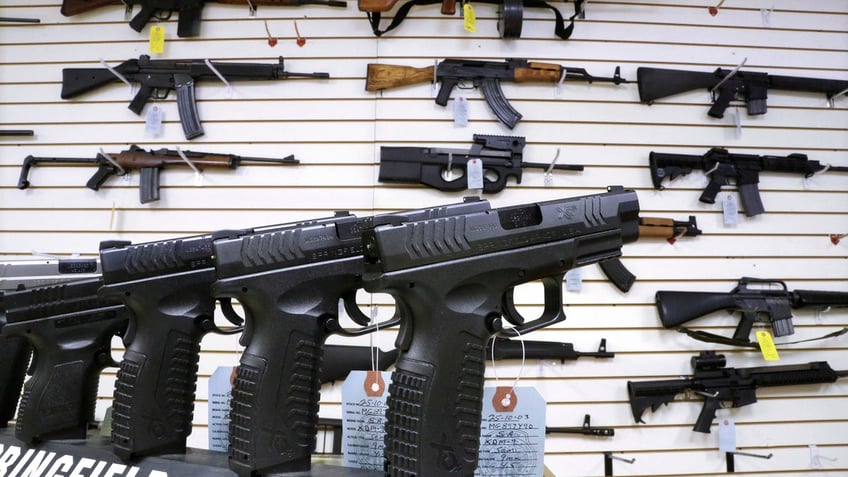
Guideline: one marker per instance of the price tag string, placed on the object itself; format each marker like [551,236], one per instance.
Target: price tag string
[523,361]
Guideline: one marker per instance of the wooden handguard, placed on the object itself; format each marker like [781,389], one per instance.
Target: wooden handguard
[538,73]
[391,76]
[75,7]
[656,227]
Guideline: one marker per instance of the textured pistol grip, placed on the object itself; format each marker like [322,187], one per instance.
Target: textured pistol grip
[14,356]
[433,423]
[58,401]
[274,410]
[154,396]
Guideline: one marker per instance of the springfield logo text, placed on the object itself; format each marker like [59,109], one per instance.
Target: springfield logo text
[17,462]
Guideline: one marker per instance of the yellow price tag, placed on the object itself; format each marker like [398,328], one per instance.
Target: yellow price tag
[470,18]
[767,346]
[157,39]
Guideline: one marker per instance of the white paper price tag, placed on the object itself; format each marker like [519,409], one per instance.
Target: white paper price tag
[220,391]
[474,171]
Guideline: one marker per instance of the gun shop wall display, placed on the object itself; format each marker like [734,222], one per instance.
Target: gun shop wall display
[634,212]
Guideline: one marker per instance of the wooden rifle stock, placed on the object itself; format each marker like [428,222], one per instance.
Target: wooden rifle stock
[391,76]
[373,6]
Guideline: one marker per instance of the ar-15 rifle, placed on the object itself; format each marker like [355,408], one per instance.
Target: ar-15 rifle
[510,14]
[149,163]
[726,85]
[484,74]
[158,77]
[453,277]
[70,330]
[503,155]
[15,351]
[770,305]
[190,11]
[723,168]
[669,229]
[718,384]
[290,280]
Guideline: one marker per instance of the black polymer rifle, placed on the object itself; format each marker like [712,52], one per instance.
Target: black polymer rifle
[453,277]
[725,85]
[165,287]
[486,75]
[70,330]
[15,352]
[290,280]
[724,168]
[751,298]
[190,11]
[718,384]
[158,77]
[149,163]
[502,155]
[669,229]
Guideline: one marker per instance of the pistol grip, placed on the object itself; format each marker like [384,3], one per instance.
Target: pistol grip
[435,400]
[14,354]
[58,401]
[154,395]
[274,409]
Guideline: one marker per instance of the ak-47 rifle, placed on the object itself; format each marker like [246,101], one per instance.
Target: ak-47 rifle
[149,163]
[487,75]
[158,77]
[189,10]
[434,167]
[666,228]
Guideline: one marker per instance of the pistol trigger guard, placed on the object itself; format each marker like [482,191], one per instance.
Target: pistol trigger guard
[349,301]
[229,312]
[552,313]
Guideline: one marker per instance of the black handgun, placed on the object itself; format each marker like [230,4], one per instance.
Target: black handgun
[70,330]
[165,286]
[290,280]
[453,278]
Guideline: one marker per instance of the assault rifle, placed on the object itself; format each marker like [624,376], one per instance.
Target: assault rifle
[725,86]
[290,279]
[158,77]
[149,163]
[510,14]
[503,155]
[718,384]
[70,330]
[487,75]
[669,229]
[756,303]
[190,11]
[453,277]
[15,352]
[724,168]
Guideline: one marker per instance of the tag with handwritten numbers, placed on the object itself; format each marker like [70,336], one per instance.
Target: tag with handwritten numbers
[364,395]
[512,432]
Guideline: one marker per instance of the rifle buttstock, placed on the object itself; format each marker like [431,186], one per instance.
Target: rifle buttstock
[391,76]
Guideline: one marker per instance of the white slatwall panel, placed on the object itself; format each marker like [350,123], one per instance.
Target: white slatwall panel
[336,129]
